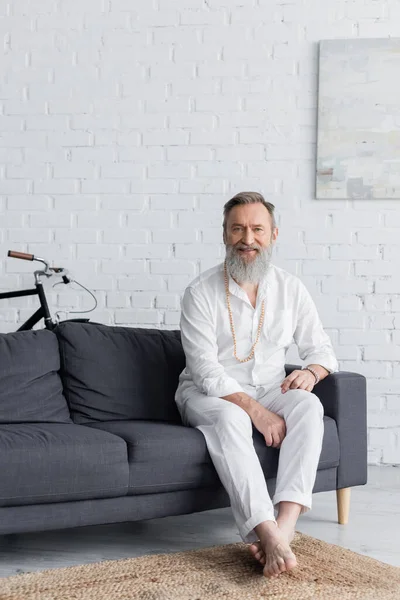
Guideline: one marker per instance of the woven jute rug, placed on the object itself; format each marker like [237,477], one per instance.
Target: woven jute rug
[324,572]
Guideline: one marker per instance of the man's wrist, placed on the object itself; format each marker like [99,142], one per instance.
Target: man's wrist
[319,370]
[313,372]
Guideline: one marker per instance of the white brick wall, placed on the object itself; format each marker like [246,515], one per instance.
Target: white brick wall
[125,126]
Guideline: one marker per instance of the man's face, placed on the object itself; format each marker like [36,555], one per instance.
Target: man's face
[249,231]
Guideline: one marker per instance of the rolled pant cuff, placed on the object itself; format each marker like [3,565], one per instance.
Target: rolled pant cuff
[247,532]
[304,499]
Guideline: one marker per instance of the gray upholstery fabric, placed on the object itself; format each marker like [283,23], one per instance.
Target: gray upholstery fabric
[344,398]
[17,519]
[30,387]
[164,457]
[112,373]
[113,510]
[55,462]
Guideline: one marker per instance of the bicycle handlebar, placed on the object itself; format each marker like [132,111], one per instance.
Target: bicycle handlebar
[21,255]
[46,272]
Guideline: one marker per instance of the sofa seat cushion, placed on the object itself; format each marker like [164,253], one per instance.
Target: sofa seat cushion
[330,453]
[166,457]
[52,462]
[113,373]
[30,386]
[163,457]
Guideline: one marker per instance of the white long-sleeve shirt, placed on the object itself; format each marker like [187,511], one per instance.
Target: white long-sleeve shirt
[290,315]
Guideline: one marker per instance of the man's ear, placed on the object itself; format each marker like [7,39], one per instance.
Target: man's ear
[224,236]
[275,234]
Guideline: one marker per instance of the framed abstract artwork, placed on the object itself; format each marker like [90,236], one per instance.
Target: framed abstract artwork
[358,147]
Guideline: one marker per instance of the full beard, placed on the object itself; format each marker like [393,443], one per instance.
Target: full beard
[248,271]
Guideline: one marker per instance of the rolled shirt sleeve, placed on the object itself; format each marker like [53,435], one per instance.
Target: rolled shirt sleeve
[198,333]
[314,344]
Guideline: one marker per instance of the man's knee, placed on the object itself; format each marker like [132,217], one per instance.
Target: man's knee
[315,405]
[309,402]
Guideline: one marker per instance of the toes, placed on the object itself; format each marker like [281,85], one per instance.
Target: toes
[257,552]
[267,571]
[291,563]
[271,571]
[255,549]
[281,564]
[277,570]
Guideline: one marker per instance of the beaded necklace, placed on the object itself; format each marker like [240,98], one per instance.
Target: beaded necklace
[241,360]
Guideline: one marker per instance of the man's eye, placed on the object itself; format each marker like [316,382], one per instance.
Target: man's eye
[258,229]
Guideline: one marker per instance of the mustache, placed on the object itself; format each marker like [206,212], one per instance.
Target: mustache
[241,246]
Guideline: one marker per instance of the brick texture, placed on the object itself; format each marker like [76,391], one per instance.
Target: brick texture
[126,125]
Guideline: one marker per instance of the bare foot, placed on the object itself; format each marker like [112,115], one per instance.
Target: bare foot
[274,552]
[256,548]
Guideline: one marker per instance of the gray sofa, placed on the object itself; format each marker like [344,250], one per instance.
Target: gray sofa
[90,433]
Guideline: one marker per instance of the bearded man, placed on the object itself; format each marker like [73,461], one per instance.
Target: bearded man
[238,320]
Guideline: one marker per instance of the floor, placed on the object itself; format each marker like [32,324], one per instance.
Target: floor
[372,530]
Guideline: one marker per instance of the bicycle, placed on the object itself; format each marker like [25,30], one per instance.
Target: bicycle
[43,312]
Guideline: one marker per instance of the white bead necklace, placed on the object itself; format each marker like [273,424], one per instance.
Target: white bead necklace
[242,360]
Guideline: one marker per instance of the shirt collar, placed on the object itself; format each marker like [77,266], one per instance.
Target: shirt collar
[264,284]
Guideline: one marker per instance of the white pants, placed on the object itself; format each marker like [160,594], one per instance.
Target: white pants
[228,433]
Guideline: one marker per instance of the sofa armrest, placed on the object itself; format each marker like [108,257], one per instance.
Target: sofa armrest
[344,398]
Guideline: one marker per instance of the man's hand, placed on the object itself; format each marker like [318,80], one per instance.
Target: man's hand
[298,380]
[272,426]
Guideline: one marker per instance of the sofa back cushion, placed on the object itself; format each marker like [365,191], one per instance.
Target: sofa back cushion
[112,373]
[30,386]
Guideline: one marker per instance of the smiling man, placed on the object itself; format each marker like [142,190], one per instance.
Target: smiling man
[238,320]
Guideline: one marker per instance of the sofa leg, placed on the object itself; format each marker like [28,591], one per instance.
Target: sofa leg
[343,505]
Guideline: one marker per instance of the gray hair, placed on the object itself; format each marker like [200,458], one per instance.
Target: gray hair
[248,198]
